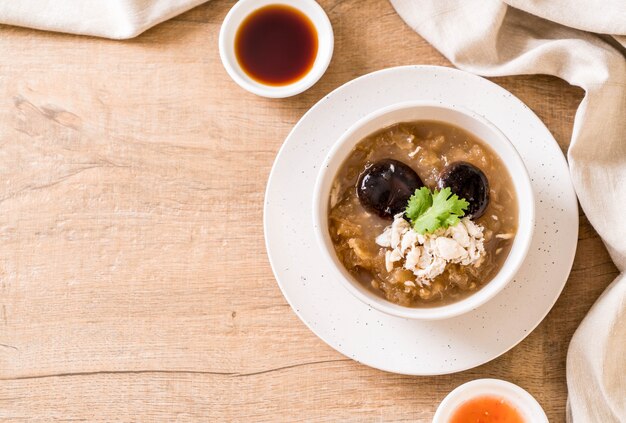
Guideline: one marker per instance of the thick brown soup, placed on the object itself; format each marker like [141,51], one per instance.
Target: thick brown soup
[276,45]
[428,148]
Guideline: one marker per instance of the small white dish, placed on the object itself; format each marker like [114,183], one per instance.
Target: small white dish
[228,32]
[472,123]
[395,344]
[520,399]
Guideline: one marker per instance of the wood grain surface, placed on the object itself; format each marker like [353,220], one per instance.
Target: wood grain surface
[134,283]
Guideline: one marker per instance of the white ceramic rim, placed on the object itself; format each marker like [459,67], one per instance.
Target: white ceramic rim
[524,402]
[244,8]
[497,141]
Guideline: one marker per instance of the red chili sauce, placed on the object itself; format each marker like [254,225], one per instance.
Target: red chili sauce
[486,409]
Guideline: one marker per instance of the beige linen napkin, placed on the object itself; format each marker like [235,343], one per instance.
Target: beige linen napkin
[491,38]
[118,19]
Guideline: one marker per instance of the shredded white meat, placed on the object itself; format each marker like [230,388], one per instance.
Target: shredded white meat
[428,255]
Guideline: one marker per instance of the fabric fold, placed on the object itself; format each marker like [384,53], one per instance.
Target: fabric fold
[116,19]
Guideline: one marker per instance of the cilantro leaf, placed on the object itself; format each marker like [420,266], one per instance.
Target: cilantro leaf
[429,211]
[419,202]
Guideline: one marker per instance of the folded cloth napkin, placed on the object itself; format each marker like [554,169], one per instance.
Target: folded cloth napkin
[118,19]
[494,38]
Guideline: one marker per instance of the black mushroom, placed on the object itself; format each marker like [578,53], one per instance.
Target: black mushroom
[385,187]
[468,182]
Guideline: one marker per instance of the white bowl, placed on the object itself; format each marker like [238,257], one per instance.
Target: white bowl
[471,122]
[325,39]
[525,403]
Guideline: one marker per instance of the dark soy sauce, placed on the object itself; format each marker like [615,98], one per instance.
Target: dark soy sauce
[276,45]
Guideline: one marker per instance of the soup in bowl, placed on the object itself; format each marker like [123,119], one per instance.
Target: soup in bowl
[424,210]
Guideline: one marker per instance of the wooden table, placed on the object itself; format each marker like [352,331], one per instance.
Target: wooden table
[131,190]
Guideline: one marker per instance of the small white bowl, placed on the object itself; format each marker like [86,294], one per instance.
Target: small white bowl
[474,124]
[244,8]
[525,403]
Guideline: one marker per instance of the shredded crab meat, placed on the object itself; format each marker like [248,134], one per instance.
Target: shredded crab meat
[414,152]
[427,256]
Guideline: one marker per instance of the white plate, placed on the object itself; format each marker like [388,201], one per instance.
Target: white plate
[391,343]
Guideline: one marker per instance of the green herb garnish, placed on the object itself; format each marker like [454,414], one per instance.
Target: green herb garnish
[429,211]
